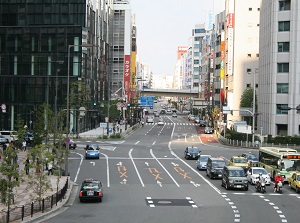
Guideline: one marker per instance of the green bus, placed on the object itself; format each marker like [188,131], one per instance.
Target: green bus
[279,160]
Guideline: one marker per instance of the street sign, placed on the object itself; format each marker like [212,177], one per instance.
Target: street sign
[103,125]
[67,141]
[226,110]
[261,127]
[3,107]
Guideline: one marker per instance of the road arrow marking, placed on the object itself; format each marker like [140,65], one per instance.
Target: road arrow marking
[195,184]
[159,183]
[119,164]
[123,182]
[146,163]
[93,163]
[174,164]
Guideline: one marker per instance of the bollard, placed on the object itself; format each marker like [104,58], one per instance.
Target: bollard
[31,211]
[23,212]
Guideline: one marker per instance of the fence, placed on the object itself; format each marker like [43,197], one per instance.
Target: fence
[240,143]
[20,212]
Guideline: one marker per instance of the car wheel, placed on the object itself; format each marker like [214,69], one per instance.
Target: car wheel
[206,173]
[297,189]
[210,176]
[98,157]
[246,188]
[100,199]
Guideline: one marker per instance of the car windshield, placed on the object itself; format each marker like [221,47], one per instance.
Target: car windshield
[89,186]
[237,173]
[193,150]
[218,164]
[91,148]
[258,171]
[204,158]
[252,157]
[239,160]
[291,165]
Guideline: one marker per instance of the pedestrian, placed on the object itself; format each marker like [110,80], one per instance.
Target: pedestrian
[50,168]
[15,160]
[27,163]
[24,145]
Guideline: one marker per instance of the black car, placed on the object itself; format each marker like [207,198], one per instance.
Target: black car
[214,167]
[202,123]
[251,158]
[91,190]
[191,153]
[72,144]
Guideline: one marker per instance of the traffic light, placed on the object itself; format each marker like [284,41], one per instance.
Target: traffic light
[128,104]
[95,103]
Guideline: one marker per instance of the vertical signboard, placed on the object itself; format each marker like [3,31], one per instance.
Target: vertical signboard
[127,77]
[230,35]
[133,62]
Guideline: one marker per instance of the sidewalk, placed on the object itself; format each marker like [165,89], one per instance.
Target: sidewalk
[100,132]
[23,194]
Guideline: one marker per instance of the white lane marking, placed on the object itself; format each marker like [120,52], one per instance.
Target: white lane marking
[153,143]
[107,169]
[136,143]
[136,170]
[93,163]
[281,216]
[78,167]
[152,154]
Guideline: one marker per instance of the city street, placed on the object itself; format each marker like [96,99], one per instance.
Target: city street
[147,179]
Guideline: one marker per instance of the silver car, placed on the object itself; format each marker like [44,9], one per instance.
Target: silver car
[3,140]
[202,161]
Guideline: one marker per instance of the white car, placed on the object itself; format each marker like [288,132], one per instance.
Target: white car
[174,115]
[160,122]
[253,174]
[150,120]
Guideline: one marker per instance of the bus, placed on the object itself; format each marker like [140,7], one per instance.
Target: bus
[279,160]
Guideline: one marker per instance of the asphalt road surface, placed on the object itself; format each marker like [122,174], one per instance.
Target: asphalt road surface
[147,180]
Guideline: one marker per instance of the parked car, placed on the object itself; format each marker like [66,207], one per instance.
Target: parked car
[191,152]
[191,117]
[174,115]
[214,167]
[197,120]
[3,140]
[156,114]
[202,162]
[11,136]
[253,174]
[234,177]
[91,190]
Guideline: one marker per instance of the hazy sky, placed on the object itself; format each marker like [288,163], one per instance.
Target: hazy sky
[163,25]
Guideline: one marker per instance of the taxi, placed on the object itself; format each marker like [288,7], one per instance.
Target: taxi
[238,161]
[294,181]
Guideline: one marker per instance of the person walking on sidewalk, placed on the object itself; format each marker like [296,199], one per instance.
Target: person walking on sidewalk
[24,145]
[27,163]
[50,168]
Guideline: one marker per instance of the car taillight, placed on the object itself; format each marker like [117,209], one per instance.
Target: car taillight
[100,194]
[80,194]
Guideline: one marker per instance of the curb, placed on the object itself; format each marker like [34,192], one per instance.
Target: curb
[38,217]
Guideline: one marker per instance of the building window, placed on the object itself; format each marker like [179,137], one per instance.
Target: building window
[249,70]
[248,85]
[283,68]
[257,55]
[283,47]
[283,26]
[249,55]
[279,109]
[285,5]
[258,9]
[250,9]
[282,88]
[196,61]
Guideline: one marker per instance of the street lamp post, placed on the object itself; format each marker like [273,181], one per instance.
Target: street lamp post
[68,99]
[253,110]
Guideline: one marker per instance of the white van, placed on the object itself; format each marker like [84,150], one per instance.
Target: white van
[10,135]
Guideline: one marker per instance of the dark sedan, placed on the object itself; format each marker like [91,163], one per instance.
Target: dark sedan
[191,153]
[91,190]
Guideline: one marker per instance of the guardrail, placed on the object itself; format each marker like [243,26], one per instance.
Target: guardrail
[20,212]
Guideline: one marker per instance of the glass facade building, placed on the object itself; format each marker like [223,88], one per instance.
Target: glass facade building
[36,38]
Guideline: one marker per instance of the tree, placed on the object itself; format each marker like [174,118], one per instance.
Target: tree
[21,131]
[9,169]
[39,182]
[246,100]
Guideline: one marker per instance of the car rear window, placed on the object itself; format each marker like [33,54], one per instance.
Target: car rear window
[5,133]
[218,164]
[236,173]
[90,186]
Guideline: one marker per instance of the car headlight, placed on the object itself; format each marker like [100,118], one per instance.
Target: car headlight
[188,154]
[245,181]
[230,181]
[213,170]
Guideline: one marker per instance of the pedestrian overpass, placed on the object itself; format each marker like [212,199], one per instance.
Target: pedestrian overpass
[188,93]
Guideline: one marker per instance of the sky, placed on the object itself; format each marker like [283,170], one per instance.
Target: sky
[163,25]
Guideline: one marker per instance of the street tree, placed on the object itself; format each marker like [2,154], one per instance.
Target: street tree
[10,172]
[39,181]
[21,131]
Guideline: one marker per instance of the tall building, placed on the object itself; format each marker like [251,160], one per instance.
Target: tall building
[121,54]
[179,69]
[279,67]
[38,43]
[242,51]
